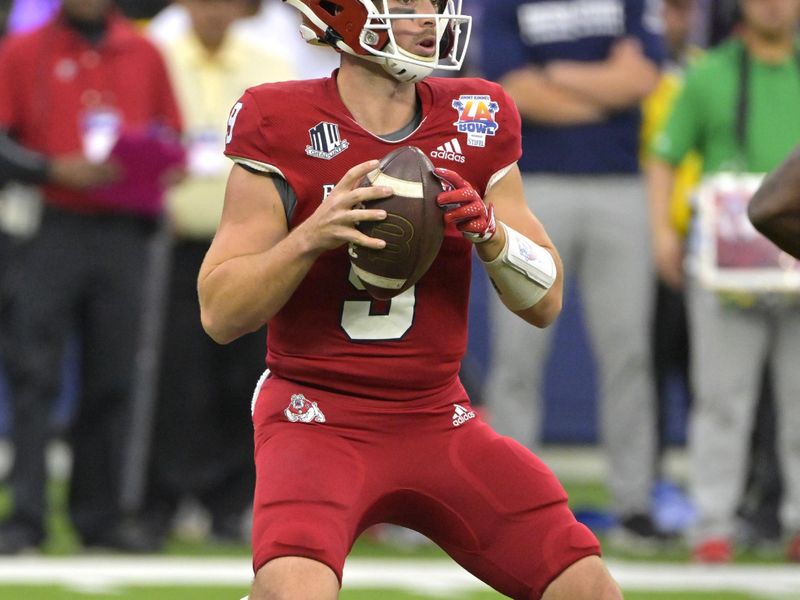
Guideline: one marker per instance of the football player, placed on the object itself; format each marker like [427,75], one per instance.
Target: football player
[361,418]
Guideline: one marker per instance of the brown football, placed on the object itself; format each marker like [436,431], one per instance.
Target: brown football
[413,228]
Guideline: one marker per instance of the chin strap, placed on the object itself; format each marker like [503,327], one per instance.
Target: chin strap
[406,72]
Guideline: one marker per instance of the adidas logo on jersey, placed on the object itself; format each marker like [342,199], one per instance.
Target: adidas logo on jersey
[461,415]
[449,151]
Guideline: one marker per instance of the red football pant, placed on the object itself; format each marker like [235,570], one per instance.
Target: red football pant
[489,502]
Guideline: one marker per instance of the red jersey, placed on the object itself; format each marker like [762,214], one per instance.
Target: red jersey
[331,334]
[52,80]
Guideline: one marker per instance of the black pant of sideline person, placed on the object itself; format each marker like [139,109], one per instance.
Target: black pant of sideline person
[80,274]
[203,434]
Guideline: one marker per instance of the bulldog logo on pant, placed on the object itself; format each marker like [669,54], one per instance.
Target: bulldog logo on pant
[303,410]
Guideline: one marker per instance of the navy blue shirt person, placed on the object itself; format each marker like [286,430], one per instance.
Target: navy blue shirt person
[578,70]
[540,34]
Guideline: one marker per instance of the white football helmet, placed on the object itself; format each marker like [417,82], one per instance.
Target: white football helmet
[364,28]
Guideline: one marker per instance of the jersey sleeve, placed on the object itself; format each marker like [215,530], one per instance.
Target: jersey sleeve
[643,21]
[682,131]
[247,141]
[510,149]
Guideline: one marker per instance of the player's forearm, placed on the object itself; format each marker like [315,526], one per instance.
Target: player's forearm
[544,311]
[541,101]
[243,293]
[612,86]
[775,207]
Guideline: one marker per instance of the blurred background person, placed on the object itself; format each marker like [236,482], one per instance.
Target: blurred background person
[670,341]
[738,110]
[760,503]
[203,442]
[578,71]
[66,94]
[270,24]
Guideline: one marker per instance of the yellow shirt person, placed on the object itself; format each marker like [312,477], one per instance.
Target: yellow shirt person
[207,85]
[655,110]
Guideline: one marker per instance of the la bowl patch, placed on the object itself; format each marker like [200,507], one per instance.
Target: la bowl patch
[476,118]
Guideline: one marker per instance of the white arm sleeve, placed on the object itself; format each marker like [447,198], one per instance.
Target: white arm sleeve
[523,272]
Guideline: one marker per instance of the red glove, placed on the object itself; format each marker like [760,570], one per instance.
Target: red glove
[464,207]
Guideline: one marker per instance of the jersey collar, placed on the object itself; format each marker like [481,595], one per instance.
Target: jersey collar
[424,93]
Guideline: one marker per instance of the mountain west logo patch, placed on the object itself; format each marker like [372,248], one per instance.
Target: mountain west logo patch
[476,118]
[303,410]
[326,141]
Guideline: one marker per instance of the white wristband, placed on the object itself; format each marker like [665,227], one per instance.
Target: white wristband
[523,272]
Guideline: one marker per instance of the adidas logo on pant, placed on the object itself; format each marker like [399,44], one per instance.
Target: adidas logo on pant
[461,415]
[449,151]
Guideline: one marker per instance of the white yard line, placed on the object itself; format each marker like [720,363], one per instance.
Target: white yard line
[756,579]
[436,577]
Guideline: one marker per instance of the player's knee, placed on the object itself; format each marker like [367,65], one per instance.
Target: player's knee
[587,579]
[294,578]
[609,590]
